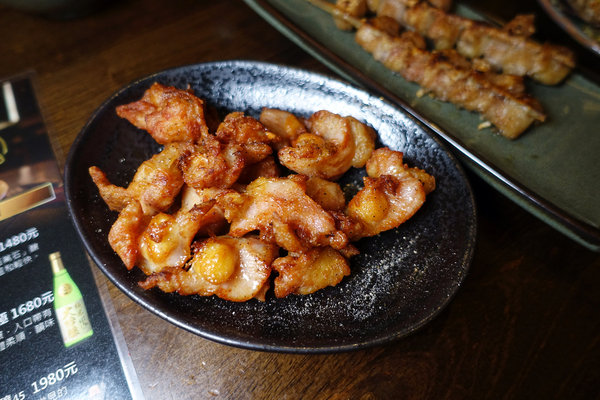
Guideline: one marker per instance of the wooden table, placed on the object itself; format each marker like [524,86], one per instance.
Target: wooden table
[524,325]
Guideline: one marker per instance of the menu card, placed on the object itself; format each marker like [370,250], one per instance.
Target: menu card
[57,340]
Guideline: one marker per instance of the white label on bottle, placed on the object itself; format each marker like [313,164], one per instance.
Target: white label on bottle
[74,322]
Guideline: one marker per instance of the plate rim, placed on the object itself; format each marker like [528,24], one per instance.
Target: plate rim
[569,26]
[464,264]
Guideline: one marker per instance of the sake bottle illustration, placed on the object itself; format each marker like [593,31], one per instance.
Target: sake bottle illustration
[68,304]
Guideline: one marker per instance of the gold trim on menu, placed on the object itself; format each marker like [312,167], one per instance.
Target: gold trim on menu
[26,201]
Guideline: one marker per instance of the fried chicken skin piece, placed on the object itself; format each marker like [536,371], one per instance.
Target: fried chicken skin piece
[155,184]
[267,168]
[283,213]
[153,243]
[210,163]
[167,239]
[390,162]
[124,234]
[115,197]
[247,132]
[364,141]
[284,124]
[289,127]
[392,193]
[385,203]
[327,151]
[168,114]
[214,222]
[327,194]
[234,269]
[306,272]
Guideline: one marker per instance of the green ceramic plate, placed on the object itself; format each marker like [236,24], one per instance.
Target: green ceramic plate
[551,170]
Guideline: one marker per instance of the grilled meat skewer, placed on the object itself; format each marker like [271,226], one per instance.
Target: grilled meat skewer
[511,113]
[504,49]
[445,74]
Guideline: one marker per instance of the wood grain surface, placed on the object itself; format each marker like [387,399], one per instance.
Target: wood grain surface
[525,324]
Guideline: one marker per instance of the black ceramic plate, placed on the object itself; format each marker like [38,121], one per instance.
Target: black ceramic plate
[399,282]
